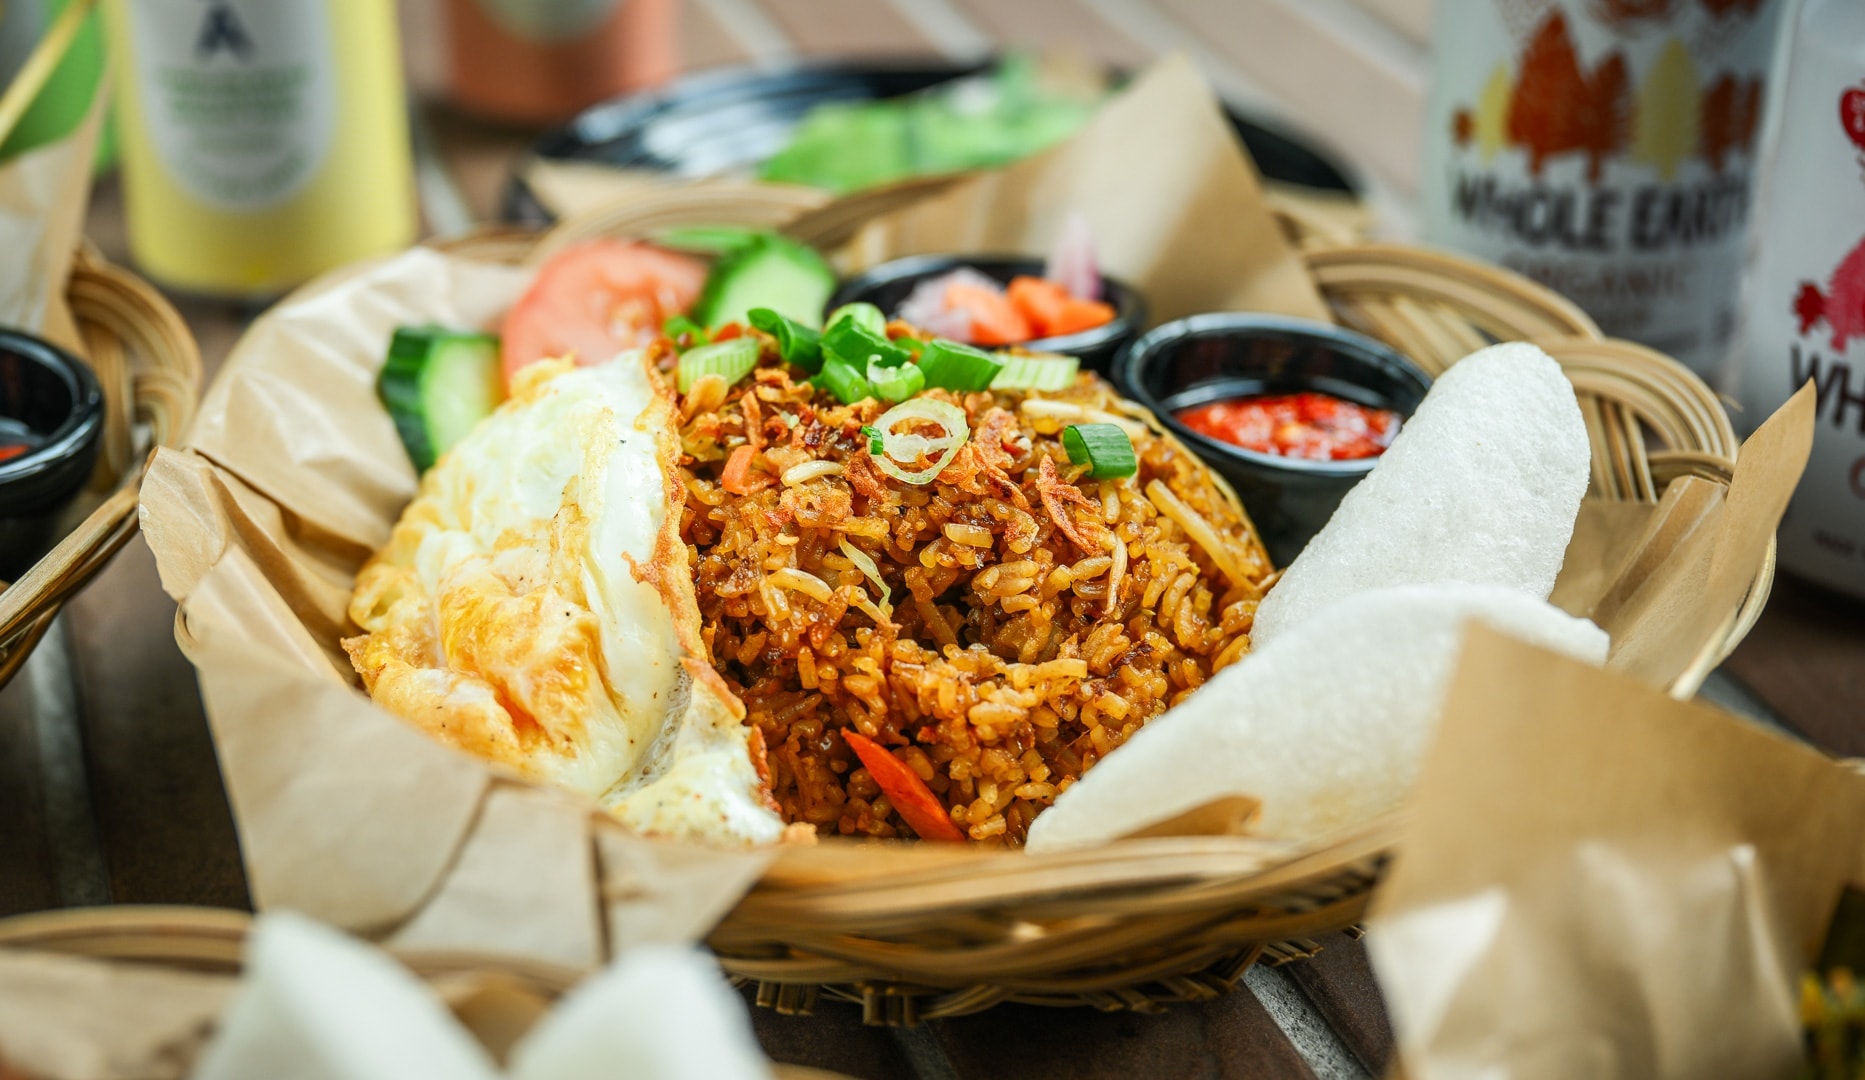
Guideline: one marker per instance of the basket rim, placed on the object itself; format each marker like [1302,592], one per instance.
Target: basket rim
[118,310]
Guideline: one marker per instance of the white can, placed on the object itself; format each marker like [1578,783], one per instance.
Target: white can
[1606,149]
[1806,319]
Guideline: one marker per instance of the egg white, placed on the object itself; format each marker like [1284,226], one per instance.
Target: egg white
[534,606]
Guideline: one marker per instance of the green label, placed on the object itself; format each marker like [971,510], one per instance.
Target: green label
[238,95]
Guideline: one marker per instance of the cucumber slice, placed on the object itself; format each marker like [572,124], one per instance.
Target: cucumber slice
[770,272]
[437,385]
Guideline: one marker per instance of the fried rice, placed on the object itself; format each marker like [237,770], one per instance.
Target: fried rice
[999,629]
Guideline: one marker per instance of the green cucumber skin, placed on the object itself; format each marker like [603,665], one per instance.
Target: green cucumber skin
[737,284]
[419,359]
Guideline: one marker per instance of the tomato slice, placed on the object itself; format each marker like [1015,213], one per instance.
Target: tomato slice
[595,299]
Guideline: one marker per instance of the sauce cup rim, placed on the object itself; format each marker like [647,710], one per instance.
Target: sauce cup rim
[1248,324]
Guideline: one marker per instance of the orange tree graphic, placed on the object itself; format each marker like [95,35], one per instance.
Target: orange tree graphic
[1558,108]
[1731,115]
[1555,106]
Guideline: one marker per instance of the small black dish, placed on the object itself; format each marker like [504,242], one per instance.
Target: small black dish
[1208,358]
[728,120]
[887,285]
[51,403]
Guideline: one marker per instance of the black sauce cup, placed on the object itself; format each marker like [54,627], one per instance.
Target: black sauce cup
[51,402]
[1207,358]
[886,287]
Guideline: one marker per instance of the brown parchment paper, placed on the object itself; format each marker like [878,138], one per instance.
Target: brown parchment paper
[1598,881]
[1175,205]
[43,196]
[290,478]
[66,1018]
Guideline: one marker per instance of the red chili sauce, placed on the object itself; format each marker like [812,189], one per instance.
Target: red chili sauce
[1312,425]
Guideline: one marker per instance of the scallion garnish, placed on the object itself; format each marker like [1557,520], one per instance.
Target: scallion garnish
[730,360]
[895,383]
[857,346]
[678,326]
[843,380]
[1035,372]
[951,366]
[874,438]
[1104,448]
[796,343]
[866,316]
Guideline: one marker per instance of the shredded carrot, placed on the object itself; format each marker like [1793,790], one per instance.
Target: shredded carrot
[918,806]
[994,319]
[728,332]
[1078,315]
[738,477]
[1052,311]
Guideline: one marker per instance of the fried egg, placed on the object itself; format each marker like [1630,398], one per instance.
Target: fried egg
[534,606]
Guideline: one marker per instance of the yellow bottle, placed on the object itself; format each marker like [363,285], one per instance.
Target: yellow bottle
[263,141]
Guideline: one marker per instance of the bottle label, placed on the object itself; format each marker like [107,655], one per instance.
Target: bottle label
[1605,149]
[548,20]
[1807,322]
[238,95]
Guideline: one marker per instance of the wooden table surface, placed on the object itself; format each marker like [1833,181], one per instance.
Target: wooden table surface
[109,791]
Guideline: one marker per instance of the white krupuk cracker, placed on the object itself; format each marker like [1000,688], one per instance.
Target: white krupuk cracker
[1481,486]
[1327,726]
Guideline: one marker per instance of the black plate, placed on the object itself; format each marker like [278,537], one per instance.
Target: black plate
[730,119]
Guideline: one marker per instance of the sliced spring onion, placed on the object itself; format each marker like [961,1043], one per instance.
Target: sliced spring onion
[864,563]
[951,366]
[677,326]
[858,346]
[907,448]
[866,316]
[796,343]
[895,383]
[1036,372]
[730,360]
[874,439]
[843,380]
[1104,448]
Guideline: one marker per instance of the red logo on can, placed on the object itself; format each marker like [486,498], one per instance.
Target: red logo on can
[1852,115]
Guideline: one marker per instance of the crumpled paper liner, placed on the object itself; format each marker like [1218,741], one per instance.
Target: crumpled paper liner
[291,477]
[1598,881]
[74,1017]
[43,197]
[1665,579]
[64,1018]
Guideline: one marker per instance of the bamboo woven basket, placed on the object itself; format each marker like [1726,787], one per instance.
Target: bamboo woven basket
[150,370]
[922,932]
[914,934]
[212,941]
